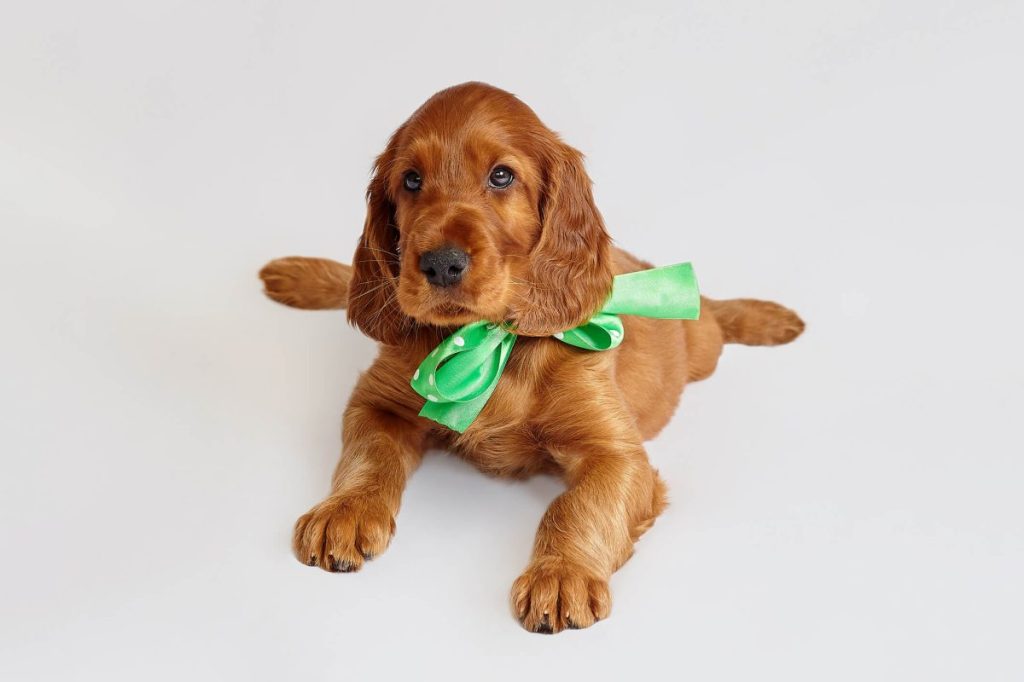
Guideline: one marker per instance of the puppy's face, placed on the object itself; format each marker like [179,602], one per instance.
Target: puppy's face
[478,211]
[466,197]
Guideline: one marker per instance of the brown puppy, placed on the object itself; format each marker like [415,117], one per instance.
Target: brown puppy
[477,211]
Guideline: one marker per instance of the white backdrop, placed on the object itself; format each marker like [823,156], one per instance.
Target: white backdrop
[845,508]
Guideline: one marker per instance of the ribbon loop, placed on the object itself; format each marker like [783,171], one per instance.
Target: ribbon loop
[603,331]
[465,365]
[459,376]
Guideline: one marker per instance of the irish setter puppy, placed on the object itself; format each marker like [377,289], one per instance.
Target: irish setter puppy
[477,211]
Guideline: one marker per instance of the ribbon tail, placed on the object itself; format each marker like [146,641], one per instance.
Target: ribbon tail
[668,293]
[457,416]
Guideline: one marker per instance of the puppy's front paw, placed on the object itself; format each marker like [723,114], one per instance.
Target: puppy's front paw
[553,595]
[340,533]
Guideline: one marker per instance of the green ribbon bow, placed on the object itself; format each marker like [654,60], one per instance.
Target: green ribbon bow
[459,376]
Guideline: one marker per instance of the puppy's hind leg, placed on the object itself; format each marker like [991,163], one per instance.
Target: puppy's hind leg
[746,321]
[752,322]
[704,341]
[308,283]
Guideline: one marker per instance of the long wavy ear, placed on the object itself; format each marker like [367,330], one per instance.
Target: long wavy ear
[571,270]
[372,292]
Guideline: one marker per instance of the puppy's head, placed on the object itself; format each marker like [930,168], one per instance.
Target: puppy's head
[476,210]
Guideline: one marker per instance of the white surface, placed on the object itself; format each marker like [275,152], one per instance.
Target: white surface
[845,508]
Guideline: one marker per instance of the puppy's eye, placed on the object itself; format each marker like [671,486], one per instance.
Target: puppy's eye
[412,181]
[500,178]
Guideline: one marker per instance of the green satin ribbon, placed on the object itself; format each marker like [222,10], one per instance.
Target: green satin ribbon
[459,376]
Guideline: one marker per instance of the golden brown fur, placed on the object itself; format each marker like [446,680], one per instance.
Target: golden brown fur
[540,257]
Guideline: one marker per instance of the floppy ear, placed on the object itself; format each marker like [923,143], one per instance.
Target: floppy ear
[372,291]
[571,270]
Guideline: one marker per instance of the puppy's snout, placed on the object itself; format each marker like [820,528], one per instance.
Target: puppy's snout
[444,267]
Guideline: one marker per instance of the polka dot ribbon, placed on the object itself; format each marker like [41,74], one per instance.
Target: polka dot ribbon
[460,374]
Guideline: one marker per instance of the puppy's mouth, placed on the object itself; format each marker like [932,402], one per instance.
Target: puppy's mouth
[452,307]
[447,314]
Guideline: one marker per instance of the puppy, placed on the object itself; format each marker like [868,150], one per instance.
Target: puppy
[477,211]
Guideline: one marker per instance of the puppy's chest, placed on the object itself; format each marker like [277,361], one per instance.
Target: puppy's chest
[510,436]
[505,438]
[511,451]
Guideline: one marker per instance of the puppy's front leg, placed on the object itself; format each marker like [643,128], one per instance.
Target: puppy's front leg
[357,520]
[588,532]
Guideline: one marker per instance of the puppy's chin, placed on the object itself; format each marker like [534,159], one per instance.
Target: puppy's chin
[445,313]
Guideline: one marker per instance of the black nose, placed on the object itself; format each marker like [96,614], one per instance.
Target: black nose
[445,266]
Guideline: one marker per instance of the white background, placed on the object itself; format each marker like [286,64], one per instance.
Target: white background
[845,508]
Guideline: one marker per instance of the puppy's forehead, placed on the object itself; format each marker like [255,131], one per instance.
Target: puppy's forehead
[461,148]
[473,123]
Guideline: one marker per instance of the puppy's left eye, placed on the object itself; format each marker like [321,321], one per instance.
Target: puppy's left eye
[412,181]
[501,177]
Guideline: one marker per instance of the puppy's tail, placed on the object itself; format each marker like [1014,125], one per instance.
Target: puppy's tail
[307,283]
[753,322]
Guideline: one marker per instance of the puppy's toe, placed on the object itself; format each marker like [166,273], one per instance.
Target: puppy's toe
[338,535]
[281,280]
[552,596]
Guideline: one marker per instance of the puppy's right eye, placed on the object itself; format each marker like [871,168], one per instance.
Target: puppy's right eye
[413,181]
